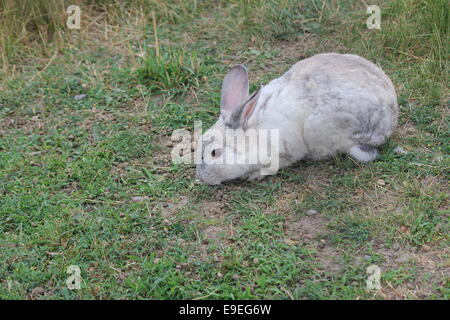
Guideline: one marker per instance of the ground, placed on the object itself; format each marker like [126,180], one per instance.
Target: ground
[87,178]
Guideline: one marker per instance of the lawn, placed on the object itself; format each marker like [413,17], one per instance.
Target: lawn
[86,177]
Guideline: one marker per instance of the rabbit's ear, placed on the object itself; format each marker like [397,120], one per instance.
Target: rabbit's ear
[234,91]
[239,117]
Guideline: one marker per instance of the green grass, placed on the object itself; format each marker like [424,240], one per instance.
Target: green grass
[172,71]
[87,179]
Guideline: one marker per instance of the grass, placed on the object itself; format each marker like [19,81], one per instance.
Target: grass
[86,177]
[172,71]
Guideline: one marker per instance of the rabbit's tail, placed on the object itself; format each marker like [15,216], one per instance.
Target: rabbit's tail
[363,153]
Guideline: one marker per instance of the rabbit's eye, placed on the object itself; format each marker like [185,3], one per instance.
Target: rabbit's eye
[215,153]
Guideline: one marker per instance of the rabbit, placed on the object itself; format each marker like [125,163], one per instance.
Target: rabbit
[322,105]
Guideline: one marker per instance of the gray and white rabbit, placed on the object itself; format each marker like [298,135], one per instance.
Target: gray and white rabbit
[325,104]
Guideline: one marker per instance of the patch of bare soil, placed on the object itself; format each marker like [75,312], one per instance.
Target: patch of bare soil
[311,231]
[306,229]
[427,267]
[170,209]
[19,122]
[163,157]
[406,130]
[379,201]
[297,49]
[215,230]
[289,52]
[215,234]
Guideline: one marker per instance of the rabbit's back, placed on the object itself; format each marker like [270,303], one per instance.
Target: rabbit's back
[344,76]
[348,99]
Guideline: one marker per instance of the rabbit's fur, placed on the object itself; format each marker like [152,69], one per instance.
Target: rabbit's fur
[324,104]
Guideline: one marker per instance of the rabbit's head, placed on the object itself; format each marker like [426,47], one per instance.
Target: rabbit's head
[226,151]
